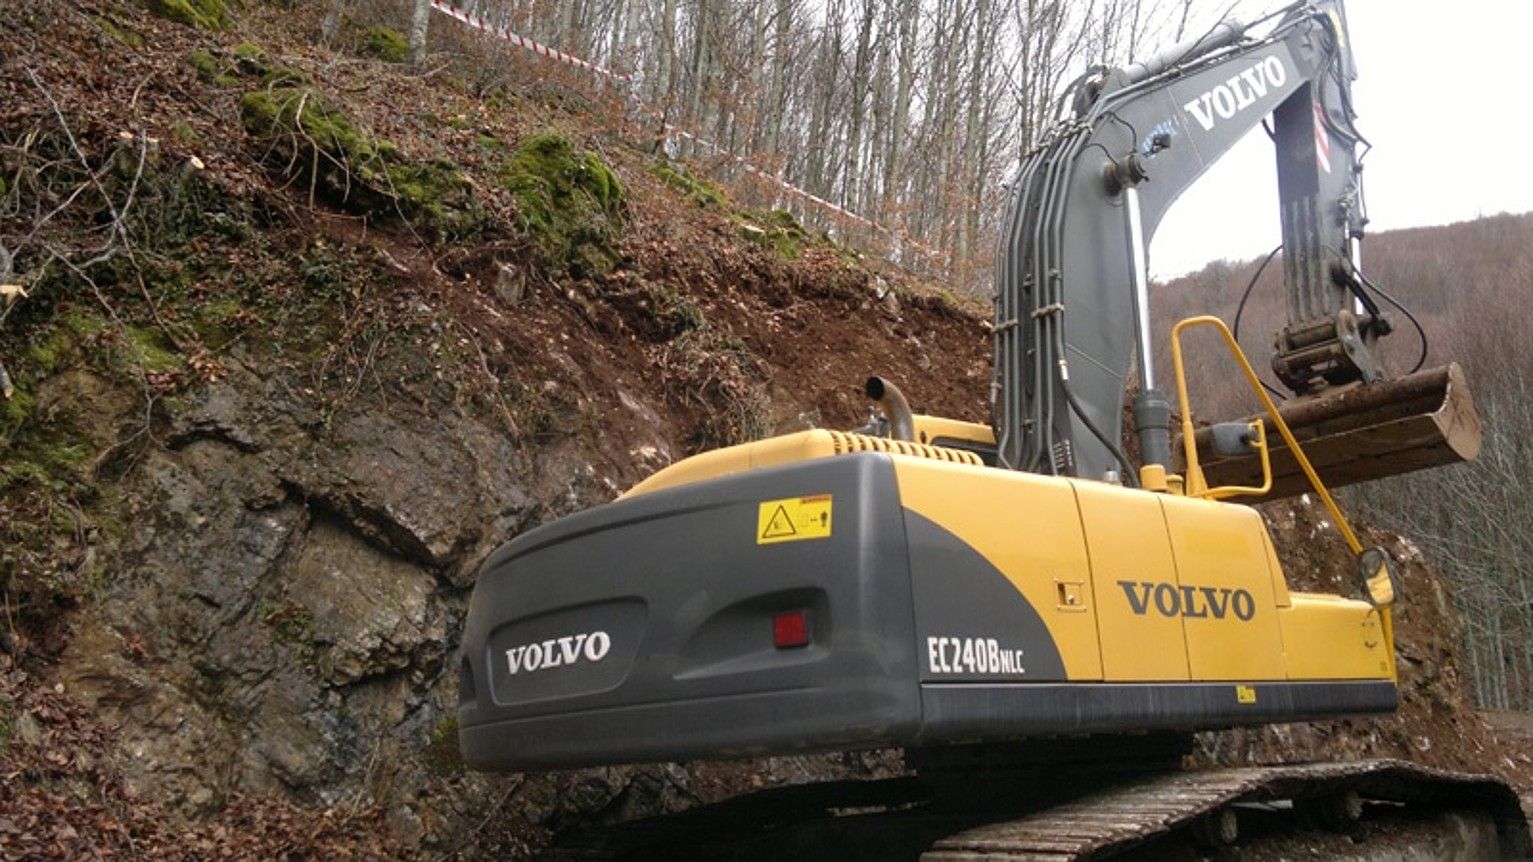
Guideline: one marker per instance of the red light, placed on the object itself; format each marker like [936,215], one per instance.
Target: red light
[790,629]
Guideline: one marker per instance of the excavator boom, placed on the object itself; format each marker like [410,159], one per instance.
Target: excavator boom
[1072,302]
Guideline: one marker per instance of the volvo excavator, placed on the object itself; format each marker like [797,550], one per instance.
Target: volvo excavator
[1022,598]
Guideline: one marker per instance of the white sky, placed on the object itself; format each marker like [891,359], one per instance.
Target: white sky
[1441,93]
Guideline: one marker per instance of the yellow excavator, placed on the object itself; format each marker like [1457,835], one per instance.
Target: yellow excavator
[939,585]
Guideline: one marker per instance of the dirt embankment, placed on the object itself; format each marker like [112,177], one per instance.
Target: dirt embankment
[308,335]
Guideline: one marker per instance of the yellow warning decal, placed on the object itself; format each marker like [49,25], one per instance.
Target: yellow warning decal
[1245,694]
[793,519]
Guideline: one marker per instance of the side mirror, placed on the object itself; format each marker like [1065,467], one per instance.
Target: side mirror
[1376,570]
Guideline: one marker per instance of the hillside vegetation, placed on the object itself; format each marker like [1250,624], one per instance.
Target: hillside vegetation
[299,334]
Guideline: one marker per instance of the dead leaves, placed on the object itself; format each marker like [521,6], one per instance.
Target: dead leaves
[62,797]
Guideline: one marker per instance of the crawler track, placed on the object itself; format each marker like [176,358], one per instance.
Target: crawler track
[1121,819]
[1071,818]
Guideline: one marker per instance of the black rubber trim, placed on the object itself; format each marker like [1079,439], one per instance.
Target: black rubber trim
[987,454]
[961,712]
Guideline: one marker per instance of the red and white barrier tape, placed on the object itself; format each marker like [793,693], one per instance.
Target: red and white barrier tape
[521,41]
[542,50]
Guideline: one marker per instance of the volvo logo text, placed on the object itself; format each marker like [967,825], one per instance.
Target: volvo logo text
[1239,92]
[558,652]
[1170,600]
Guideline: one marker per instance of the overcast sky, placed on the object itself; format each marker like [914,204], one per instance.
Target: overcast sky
[1442,94]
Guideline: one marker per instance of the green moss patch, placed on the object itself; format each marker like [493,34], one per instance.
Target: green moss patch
[245,61]
[212,69]
[116,31]
[776,229]
[202,14]
[384,43]
[680,178]
[569,203]
[151,350]
[304,136]
[441,753]
[252,59]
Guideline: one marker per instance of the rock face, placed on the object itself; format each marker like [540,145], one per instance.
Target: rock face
[279,617]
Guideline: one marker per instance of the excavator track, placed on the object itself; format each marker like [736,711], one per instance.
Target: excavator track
[1176,814]
[1126,818]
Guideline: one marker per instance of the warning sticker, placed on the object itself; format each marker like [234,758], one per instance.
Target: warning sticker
[793,519]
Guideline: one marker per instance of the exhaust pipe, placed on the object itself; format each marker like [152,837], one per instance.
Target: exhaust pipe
[902,423]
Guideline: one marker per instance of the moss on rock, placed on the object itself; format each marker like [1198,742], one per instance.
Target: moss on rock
[246,60]
[202,14]
[569,202]
[211,69]
[299,117]
[777,229]
[279,76]
[303,134]
[14,411]
[679,177]
[384,43]
[252,59]
[118,32]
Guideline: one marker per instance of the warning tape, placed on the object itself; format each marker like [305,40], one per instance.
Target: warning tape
[521,41]
[480,24]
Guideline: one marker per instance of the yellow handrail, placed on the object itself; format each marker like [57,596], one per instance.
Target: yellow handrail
[1196,484]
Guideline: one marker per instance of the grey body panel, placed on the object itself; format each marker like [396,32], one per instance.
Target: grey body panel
[683,595]
[960,596]
[704,678]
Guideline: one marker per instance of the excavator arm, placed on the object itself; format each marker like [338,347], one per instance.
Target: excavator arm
[1071,299]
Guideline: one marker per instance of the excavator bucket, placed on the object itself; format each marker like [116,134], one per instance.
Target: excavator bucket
[1422,420]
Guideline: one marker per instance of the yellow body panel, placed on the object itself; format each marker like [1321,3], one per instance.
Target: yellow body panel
[1321,633]
[1138,587]
[787,449]
[1029,528]
[1127,543]
[1221,550]
[1133,586]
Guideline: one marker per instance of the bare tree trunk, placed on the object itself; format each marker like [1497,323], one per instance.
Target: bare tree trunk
[972,170]
[875,149]
[420,23]
[667,77]
[330,25]
[857,108]
[776,105]
[909,11]
[925,180]
[828,77]
[702,65]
